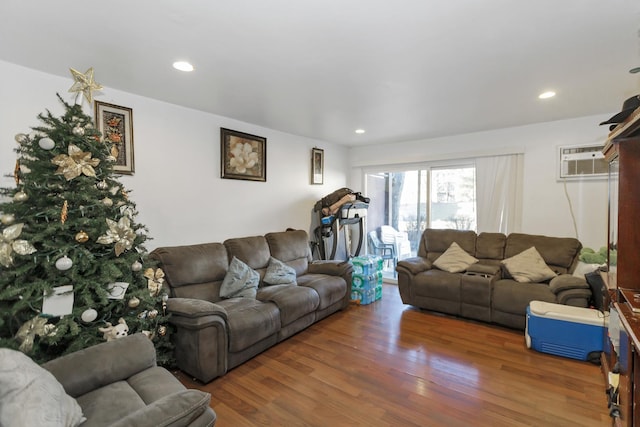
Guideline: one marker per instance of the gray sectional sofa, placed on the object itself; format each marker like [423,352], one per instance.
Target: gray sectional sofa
[215,333]
[485,290]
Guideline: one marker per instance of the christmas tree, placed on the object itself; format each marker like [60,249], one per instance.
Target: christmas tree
[73,267]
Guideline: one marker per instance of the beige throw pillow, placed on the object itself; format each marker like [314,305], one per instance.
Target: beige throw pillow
[528,266]
[454,259]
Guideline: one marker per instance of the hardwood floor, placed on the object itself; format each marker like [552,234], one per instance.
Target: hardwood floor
[387,364]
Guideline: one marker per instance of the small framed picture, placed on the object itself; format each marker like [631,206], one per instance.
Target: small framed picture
[115,123]
[243,156]
[317,166]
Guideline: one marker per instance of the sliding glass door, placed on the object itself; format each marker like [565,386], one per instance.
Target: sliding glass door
[405,202]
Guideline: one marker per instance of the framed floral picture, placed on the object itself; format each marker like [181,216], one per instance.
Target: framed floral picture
[317,166]
[243,156]
[115,123]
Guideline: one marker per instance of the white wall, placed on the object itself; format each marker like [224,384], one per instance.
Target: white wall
[545,206]
[177,186]
[182,199]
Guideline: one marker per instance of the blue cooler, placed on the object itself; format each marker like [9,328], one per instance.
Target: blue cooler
[565,330]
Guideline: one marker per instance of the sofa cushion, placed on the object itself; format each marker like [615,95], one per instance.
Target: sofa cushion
[490,246]
[330,289]
[250,321]
[252,250]
[178,409]
[293,301]
[279,273]
[240,281]
[292,248]
[528,266]
[194,271]
[454,259]
[559,253]
[435,241]
[31,396]
[122,400]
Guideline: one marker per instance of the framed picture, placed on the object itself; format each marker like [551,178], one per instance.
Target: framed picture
[116,125]
[243,156]
[317,166]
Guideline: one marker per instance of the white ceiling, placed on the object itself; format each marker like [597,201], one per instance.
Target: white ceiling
[402,69]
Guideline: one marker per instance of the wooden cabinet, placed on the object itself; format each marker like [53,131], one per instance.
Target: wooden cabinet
[622,150]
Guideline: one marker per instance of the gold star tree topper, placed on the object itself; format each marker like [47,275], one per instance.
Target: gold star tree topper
[84,83]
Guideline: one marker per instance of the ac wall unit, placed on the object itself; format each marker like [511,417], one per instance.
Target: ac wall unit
[582,162]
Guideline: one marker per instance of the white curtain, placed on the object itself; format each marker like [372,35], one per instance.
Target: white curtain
[499,193]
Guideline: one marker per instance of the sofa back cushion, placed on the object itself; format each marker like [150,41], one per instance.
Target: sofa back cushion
[292,248]
[560,253]
[490,247]
[252,250]
[435,242]
[194,271]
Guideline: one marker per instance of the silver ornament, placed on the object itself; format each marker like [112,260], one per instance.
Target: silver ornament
[136,266]
[21,138]
[152,314]
[102,185]
[134,302]
[78,131]
[46,143]
[107,202]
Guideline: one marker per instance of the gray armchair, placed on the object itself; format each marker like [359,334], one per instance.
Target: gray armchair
[117,383]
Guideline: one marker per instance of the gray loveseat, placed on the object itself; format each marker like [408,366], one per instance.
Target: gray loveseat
[215,334]
[485,290]
[117,383]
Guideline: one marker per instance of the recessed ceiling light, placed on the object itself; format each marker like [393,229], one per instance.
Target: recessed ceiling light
[547,95]
[182,66]
[360,130]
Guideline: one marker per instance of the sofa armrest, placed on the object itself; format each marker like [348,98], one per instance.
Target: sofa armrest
[330,267]
[175,410]
[94,367]
[414,265]
[201,339]
[564,282]
[192,308]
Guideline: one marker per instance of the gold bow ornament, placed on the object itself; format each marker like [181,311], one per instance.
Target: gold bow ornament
[10,243]
[155,279]
[119,233]
[76,163]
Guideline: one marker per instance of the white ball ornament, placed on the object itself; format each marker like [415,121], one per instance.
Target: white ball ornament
[136,266]
[64,263]
[78,131]
[20,196]
[89,315]
[102,185]
[107,202]
[7,219]
[46,143]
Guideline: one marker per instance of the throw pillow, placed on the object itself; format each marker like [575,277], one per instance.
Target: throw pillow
[454,259]
[31,396]
[528,266]
[240,281]
[279,273]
